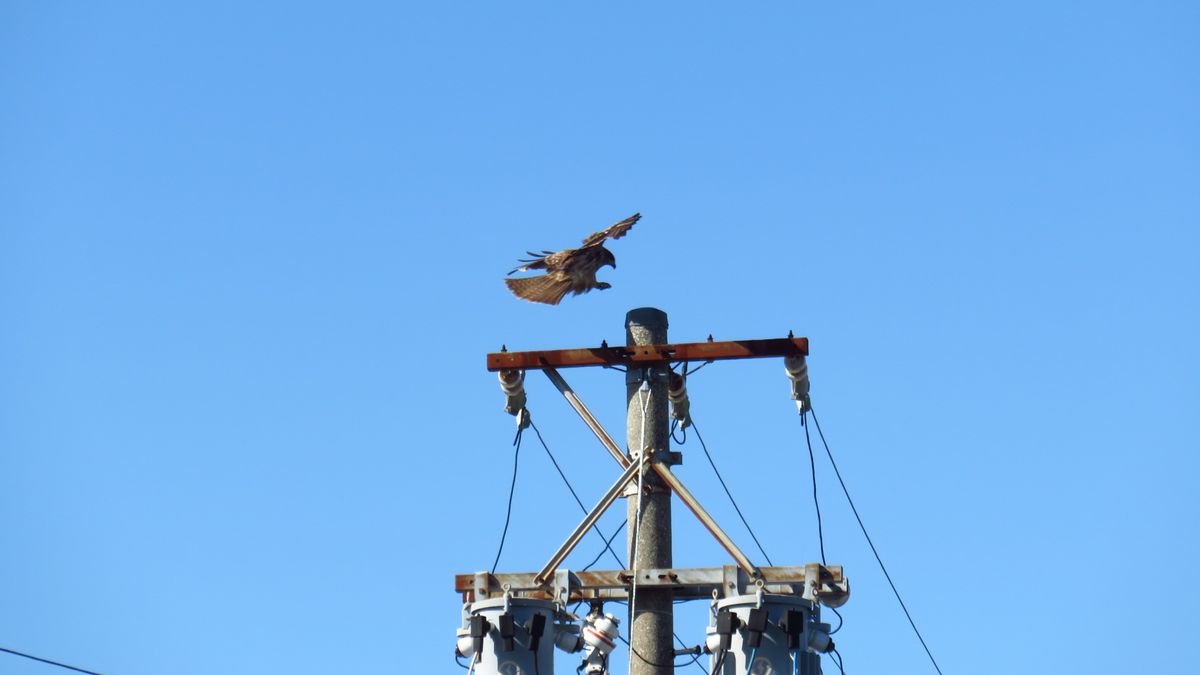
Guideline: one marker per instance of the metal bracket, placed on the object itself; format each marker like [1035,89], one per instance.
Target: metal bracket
[562,586]
[656,373]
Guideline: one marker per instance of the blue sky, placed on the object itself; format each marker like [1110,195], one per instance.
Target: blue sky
[250,263]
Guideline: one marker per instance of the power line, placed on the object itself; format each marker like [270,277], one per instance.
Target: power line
[837,658]
[511,490]
[872,544]
[730,494]
[812,462]
[607,541]
[695,657]
[53,663]
[608,547]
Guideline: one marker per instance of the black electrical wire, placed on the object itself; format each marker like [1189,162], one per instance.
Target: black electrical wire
[687,372]
[840,621]
[719,662]
[672,665]
[608,547]
[730,495]
[812,462]
[673,634]
[511,490]
[679,440]
[458,659]
[53,663]
[872,544]
[578,501]
[837,658]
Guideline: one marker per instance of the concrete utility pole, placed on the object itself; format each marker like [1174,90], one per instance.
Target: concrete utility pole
[652,627]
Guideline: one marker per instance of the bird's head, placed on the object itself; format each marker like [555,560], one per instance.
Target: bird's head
[607,258]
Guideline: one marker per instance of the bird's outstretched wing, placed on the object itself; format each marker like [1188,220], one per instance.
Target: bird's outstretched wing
[613,232]
[548,289]
[546,260]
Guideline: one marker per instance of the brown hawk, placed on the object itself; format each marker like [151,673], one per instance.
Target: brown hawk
[572,269]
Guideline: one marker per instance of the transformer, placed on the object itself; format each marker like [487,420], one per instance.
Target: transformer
[766,634]
[515,636]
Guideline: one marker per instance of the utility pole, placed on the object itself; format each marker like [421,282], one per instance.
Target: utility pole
[651,619]
[763,617]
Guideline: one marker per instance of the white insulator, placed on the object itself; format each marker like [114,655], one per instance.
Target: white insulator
[600,632]
[819,641]
[796,368]
[567,640]
[464,647]
[712,640]
[678,396]
[512,383]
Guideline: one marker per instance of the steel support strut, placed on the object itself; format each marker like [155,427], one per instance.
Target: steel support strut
[588,418]
[711,525]
[589,520]
[669,478]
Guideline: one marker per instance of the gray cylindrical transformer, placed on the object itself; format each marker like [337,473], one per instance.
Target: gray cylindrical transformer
[514,640]
[766,619]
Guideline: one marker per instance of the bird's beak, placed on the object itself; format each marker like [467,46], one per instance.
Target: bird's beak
[612,265]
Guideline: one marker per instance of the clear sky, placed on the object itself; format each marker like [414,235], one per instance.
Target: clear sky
[251,259]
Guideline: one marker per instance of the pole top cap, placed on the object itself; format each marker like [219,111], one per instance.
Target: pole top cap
[646,317]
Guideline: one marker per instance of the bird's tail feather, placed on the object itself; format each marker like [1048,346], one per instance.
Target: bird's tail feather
[538,289]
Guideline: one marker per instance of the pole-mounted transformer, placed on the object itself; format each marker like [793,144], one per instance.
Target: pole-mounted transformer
[509,635]
[766,633]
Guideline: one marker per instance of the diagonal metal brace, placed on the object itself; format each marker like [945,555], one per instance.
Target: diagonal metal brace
[589,520]
[630,470]
[588,418]
[706,520]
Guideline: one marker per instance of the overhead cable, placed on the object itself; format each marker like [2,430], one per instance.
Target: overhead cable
[812,463]
[53,663]
[730,494]
[607,541]
[511,490]
[872,544]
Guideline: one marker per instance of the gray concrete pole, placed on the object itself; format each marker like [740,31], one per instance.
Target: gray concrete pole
[651,625]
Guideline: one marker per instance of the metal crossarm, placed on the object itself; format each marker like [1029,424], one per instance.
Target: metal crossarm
[640,356]
[826,584]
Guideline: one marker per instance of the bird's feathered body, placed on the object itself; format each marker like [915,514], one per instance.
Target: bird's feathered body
[571,270]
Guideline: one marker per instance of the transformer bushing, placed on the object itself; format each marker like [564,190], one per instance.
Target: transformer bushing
[766,634]
[515,636]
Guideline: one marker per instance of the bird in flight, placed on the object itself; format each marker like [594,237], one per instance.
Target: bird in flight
[572,269]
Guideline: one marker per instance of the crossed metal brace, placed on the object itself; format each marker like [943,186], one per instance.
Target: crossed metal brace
[631,471]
